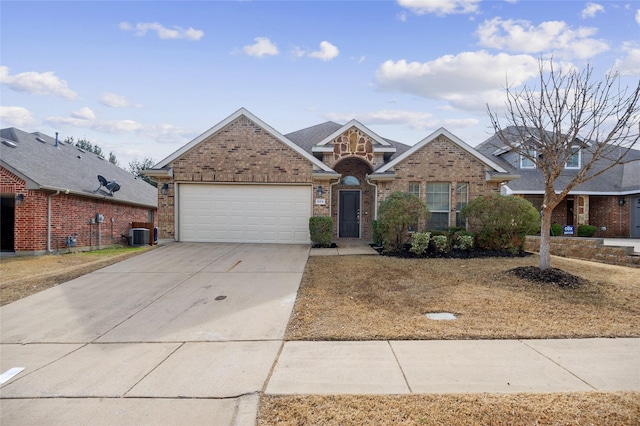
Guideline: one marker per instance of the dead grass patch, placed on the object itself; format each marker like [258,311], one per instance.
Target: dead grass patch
[579,408]
[385,298]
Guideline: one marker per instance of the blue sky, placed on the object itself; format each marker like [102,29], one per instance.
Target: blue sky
[143,78]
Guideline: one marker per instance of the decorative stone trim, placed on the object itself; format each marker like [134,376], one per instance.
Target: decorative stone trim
[592,249]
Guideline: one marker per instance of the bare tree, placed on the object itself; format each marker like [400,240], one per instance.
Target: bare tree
[569,113]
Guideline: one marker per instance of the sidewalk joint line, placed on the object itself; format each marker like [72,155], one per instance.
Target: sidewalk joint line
[559,365]
[404,376]
[152,370]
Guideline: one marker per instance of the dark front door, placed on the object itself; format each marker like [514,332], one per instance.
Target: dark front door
[349,214]
[570,205]
[635,211]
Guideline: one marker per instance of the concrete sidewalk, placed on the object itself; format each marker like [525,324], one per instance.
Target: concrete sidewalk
[450,366]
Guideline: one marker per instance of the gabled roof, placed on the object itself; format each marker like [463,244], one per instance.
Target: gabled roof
[357,125]
[34,158]
[240,113]
[443,132]
[619,180]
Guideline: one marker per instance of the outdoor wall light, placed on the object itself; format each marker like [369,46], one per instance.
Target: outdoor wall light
[319,190]
[19,199]
[164,189]
[621,201]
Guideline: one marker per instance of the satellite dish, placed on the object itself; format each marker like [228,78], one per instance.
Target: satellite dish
[111,185]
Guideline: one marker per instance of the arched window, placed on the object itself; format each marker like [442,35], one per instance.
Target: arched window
[350,180]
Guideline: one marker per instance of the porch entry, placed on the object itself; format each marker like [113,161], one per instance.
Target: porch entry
[349,214]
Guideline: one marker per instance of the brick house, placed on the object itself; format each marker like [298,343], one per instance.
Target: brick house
[51,196]
[610,201]
[243,181]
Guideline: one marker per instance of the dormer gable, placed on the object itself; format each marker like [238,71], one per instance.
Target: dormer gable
[354,140]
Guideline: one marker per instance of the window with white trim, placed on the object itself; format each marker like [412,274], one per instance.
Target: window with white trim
[414,188]
[438,201]
[575,161]
[527,163]
[462,198]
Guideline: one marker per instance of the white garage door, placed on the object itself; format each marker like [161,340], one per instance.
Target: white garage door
[244,213]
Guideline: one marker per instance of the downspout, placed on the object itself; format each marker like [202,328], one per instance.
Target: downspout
[49,220]
[375,201]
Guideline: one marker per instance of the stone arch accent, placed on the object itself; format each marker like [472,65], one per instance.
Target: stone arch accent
[353,143]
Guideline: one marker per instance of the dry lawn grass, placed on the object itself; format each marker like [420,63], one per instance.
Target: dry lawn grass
[22,276]
[583,408]
[385,298]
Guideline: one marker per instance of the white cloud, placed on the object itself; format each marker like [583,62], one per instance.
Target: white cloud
[36,83]
[440,7]
[638,16]
[113,100]
[630,63]
[84,113]
[86,119]
[12,116]
[326,53]
[262,47]
[164,33]
[411,119]
[591,9]
[555,37]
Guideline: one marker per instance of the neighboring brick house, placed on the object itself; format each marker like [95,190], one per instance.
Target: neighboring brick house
[51,196]
[610,201]
[243,181]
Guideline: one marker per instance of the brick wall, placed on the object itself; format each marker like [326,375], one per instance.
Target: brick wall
[70,215]
[240,152]
[440,161]
[591,249]
[604,211]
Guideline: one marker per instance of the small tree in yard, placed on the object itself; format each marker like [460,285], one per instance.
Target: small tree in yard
[397,213]
[501,222]
[568,110]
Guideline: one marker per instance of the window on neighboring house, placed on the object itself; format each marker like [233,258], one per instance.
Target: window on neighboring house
[438,199]
[574,162]
[527,163]
[462,198]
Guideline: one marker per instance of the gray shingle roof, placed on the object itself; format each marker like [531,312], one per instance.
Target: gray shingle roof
[311,136]
[623,178]
[43,166]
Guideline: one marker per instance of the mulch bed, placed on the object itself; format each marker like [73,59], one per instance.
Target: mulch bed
[548,276]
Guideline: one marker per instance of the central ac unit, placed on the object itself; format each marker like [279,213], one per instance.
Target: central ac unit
[138,236]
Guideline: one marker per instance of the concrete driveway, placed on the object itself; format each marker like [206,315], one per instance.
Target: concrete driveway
[184,334]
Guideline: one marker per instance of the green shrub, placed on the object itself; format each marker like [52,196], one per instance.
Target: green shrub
[441,243]
[321,230]
[420,242]
[556,229]
[501,222]
[397,213]
[377,236]
[464,242]
[586,230]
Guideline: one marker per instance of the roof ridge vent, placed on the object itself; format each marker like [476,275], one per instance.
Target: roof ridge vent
[9,143]
[39,139]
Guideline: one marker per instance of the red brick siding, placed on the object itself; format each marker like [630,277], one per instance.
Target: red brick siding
[70,215]
[604,211]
